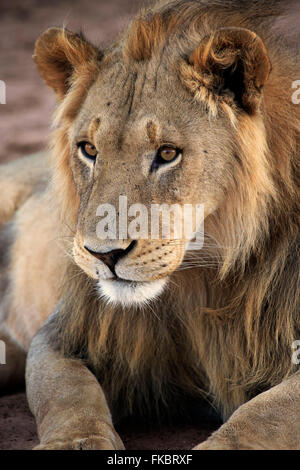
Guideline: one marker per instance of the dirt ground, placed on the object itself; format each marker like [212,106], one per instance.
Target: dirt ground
[18,431]
[24,127]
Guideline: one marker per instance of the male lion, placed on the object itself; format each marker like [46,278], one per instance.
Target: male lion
[192,105]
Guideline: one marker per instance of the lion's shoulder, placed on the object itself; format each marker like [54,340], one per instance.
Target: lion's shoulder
[19,179]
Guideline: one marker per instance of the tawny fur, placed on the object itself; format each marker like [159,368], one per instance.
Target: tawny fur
[238,342]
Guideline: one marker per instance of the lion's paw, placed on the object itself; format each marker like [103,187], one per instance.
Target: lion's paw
[84,443]
[213,445]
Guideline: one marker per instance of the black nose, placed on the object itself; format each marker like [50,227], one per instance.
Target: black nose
[111,257]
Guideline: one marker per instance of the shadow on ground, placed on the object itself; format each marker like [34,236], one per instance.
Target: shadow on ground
[18,430]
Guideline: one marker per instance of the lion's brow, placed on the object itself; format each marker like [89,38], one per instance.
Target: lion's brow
[93,127]
[151,129]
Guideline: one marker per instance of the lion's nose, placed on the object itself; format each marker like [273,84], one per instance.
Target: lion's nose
[111,258]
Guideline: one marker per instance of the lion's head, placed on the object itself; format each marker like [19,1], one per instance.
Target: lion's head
[171,114]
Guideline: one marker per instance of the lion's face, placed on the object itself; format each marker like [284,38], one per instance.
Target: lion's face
[147,130]
[141,136]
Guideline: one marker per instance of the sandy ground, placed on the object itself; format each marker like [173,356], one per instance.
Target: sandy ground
[24,127]
[18,430]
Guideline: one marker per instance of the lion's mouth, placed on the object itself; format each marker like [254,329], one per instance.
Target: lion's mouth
[129,293]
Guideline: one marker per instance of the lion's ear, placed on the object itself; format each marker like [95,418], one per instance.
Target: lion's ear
[58,53]
[233,62]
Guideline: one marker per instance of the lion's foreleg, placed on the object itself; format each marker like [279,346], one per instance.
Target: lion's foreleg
[68,403]
[269,421]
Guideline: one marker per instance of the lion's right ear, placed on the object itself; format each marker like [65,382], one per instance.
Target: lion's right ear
[59,53]
[232,64]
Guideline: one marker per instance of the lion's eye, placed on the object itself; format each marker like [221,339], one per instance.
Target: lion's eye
[165,154]
[88,150]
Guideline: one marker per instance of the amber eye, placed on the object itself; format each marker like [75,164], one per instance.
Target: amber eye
[165,154]
[88,150]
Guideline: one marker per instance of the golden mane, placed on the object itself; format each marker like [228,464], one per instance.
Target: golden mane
[256,236]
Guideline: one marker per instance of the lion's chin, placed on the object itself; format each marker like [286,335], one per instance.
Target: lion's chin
[129,293]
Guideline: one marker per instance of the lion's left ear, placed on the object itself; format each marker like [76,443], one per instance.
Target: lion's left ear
[59,53]
[233,62]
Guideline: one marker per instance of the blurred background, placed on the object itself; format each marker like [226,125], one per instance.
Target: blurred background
[26,116]
[25,122]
